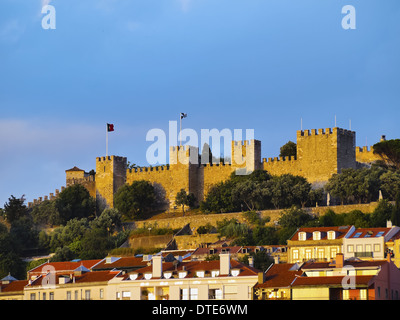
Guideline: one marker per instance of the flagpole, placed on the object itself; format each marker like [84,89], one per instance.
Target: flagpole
[180,129]
[106,140]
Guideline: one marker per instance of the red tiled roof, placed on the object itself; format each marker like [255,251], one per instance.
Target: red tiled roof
[372,232]
[66,266]
[341,231]
[75,168]
[279,276]
[14,286]
[121,262]
[192,266]
[353,263]
[330,281]
[217,250]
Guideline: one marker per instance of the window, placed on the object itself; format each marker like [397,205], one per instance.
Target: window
[377,247]
[321,253]
[68,295]
[379,292]
[357,235]
[200,274]
[101,293]
[331,235]
[184,294]
[215,273]
[148,276]
[235,272]
[368,248]
[182,274]
[308,254]
[316,235]
[126,295]
[43,296]
[380,233]
[87,294]
[333,252]
[295,254]
[302,236]
[359,248]
[350,248]
[167,275]
[76,295]
[51,296]
[214,294]
[33,296]
[363,294]
[194,294]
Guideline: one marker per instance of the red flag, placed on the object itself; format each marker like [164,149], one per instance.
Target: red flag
[110,127]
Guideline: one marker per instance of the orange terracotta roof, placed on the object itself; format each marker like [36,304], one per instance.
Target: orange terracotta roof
[192,266]
[14,286]
[330,281]
[121,262]
[341,231]
[217,250]
[279,276]
[353,263]
[369,232]
[60,267]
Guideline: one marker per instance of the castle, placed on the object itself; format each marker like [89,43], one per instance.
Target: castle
[320,154]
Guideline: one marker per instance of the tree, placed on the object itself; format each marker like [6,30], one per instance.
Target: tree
[15,209]
[46,213]
[288,150]
[75,202]
[390,183]
[135,199]
[184,199]
[110,220]
[389,151]
[251,193]
[382,213]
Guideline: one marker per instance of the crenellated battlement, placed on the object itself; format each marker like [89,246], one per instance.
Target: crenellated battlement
[279,159]
[320,153]
[111,158]
[39,200]
[148,169]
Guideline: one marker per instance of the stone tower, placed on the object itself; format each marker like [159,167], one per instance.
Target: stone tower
[246,156]
[110,175]
[322,153]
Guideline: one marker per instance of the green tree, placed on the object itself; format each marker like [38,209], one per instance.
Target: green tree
[95,244]
[390,184]
[135,199]
[389,151]
[288,150]
[184,199]
[75,202]
[46,213]
[382,213]
[15,209]
[110,220]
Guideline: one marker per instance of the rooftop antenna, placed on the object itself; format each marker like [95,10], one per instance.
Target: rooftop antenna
[350,124]
[301,124]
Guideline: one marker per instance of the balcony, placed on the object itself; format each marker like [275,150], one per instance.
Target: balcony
[364,254]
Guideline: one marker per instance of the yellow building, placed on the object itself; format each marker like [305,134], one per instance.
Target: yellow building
[317,243]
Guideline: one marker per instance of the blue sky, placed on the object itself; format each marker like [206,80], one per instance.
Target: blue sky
[236,64]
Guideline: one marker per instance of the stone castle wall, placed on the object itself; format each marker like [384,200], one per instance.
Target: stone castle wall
[320,154]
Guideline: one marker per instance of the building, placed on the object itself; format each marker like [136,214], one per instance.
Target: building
[320,154]
[318,243]
[225,279]
[339,279]
[277,281]
[369,243]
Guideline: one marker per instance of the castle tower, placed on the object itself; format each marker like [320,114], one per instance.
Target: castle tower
[110,175]
[325,152]
[246,156]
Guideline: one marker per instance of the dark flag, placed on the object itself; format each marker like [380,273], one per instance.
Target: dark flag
[183,115]
[110,127]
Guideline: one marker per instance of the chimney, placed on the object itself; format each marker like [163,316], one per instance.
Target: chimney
[389,224]
[388,257]
[157,266]
[339,260]
[224,264]
[251,261]
[276,260]
[261,277]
